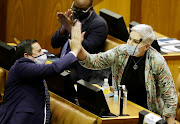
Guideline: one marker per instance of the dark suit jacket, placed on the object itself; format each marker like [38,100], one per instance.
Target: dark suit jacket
[94,40]
[23,101]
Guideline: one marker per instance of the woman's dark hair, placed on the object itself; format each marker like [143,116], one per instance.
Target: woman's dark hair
[24,47]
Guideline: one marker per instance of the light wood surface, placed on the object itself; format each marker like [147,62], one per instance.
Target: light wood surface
[131,109]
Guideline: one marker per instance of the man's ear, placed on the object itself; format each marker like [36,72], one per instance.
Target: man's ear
[26,55]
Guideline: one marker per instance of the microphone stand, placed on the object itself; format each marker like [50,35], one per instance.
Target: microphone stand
[121,89]
[121,102]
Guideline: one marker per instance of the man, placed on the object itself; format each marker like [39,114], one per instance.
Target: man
[94,39]
[142,69]
[26,99]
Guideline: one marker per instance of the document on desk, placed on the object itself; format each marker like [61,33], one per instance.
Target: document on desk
[167,41]
[171,48]
[169,44]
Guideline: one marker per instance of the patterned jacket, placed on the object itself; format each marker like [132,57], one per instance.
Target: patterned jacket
[160,88]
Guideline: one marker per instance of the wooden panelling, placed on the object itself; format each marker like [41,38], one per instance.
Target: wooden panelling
[162,15]
[34,19]
[2,19]
[121,7]
[135,14]
[174,65]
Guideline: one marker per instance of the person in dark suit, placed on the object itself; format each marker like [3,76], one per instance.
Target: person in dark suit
[96,33]
[26,99]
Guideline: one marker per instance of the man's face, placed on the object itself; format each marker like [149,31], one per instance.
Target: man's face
[81,9]
[134,39]
[36,50]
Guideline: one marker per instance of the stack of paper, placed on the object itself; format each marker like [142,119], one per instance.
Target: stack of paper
[169,44]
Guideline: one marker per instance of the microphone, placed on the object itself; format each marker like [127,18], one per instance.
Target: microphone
[129,62]
[131,59]
[121,89]
[137,45]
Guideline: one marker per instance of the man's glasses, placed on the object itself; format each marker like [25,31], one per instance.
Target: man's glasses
[83,11]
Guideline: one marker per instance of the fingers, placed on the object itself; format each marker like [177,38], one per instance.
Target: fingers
[67,16]
[61,17]
[76,37]
[82,36]
[74,21]
[68,12]
[59,14]
[71,14]
[77,24]
[76,30]
[71,17]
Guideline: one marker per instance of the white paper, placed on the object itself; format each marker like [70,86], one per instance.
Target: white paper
[171,48]
[167,41]
[151,118]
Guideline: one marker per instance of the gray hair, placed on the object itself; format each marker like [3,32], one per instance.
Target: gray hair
[146,32]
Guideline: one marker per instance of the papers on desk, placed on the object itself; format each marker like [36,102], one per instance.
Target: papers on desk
[150,118]
[169,44]
[171,48]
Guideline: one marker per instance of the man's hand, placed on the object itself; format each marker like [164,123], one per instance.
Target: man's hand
[76,38]
[66,19]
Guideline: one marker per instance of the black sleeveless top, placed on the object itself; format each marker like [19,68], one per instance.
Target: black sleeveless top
[135,80]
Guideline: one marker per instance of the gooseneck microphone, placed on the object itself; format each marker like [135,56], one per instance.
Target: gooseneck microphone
[129,62]
[121,89]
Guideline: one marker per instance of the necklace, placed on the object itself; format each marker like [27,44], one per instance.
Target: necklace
[135,66]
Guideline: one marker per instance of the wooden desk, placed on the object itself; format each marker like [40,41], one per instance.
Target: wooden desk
[131,109]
